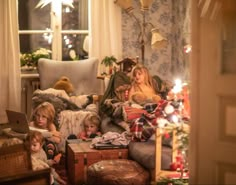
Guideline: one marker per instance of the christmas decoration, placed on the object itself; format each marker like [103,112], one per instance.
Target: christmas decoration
[176,120]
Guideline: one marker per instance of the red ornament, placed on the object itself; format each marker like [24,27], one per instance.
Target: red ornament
[173,166]
[179,158]
[167,135]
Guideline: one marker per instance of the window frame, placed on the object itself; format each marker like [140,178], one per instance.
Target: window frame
[56,29]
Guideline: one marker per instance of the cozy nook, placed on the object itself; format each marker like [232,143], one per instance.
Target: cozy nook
[117,92]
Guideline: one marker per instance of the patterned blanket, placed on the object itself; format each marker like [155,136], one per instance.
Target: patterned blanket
[141,121]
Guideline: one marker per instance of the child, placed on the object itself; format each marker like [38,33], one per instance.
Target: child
[43,116]
[39,158]
[91,125]
[142,90]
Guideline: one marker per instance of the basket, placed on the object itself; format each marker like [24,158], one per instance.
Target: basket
[14,160]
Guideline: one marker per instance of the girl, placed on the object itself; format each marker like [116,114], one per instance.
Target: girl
[39,158]
[42,117]
[142,90]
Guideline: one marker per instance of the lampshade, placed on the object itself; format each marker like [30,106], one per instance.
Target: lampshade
[158,41]
[145,4]
[125,4]
[86,44]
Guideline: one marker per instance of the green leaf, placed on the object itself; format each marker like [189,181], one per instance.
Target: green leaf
[108,60]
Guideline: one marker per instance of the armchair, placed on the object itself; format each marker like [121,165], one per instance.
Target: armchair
[82,73]
[70,110]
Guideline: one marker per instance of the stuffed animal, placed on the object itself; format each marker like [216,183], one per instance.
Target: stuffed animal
[65,84]
[141,99]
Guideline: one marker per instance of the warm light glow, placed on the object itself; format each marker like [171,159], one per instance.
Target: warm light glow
[175,119]
[67,9]
[67,41]
[43,3]
[48,36]
[178,86]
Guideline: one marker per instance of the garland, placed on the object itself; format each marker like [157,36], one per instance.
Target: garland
[169,181]
[181,163]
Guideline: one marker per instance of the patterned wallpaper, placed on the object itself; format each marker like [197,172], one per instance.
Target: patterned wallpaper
[171,18]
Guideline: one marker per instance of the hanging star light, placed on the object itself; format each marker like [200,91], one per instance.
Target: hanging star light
[43,3]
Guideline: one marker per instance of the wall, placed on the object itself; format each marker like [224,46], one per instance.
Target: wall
[172,20]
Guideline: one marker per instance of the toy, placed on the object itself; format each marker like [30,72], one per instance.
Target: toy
[65,84]
[140,98]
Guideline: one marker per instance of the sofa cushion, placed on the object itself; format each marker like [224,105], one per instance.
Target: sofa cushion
[82,73]
[144,154]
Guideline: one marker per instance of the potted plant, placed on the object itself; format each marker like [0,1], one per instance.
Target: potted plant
[108,62]
[29,61]
[40,53]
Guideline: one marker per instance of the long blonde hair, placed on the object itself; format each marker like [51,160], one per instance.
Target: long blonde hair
[45,108]
[147,77]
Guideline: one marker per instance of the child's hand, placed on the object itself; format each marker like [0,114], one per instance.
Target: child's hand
[51,162]
[56,133]
[89,133]
[57,158]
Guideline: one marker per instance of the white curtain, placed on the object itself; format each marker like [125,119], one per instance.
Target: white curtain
[105,29]
[10,81]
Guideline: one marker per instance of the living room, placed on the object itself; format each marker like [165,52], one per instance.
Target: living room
[182,24]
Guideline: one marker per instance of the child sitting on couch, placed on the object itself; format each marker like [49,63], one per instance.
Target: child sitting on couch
[142,90]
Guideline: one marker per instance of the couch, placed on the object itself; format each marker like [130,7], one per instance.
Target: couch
[154,155]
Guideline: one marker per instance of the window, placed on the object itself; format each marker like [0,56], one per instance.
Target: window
[56,27]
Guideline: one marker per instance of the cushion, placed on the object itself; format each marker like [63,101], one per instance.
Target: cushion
[82,73]
[144,154]
[117,172]
[107,125]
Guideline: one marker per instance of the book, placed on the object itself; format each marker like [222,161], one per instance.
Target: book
[44,132]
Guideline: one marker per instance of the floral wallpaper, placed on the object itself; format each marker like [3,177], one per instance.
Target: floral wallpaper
[172,20]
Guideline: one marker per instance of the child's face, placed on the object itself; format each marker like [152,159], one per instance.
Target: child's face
[139,77]
[35,146]
[90,128]
[41,119]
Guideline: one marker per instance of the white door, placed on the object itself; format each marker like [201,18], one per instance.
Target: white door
[213,92]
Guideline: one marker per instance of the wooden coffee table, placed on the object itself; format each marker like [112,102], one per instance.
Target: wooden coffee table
[80,156]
